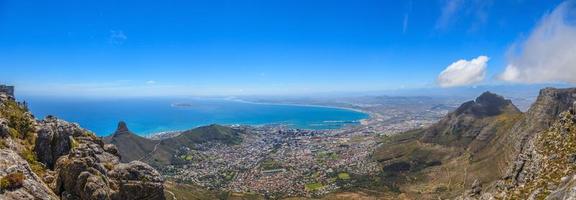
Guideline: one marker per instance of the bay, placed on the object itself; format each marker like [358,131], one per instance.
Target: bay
[146,116]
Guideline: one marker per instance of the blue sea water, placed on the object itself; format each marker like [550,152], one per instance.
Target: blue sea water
[153,115]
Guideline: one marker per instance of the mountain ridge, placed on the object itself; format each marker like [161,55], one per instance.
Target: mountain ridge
[487,144]
[160,152]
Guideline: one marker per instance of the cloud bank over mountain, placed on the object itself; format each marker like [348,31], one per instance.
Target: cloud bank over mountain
[549,53]
[464,72]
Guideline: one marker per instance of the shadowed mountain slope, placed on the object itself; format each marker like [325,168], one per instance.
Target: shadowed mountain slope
[471,121]
[131,146]
[488,149]
[446,158]
[160,152]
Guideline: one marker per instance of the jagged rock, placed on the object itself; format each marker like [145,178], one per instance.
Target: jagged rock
[32,187]
[547,155]
[572,158]
[83,164]
[92,171]
[76,162]
[566,189]
[110,148]
[78,178]
[476,188]
[122,128]
[4,129]
[541,115]
[55,139]
[137,180]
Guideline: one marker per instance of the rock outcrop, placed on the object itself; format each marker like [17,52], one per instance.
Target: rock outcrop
[136,180]
[32,187]
[92,170]
[55,139]
[548,165]
[7,90]
[55,159]
[541,116]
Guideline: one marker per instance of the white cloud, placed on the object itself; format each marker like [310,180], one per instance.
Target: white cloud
[151,82]
[549,52]
[463,72]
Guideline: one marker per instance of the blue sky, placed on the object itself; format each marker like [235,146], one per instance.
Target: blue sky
[235,47]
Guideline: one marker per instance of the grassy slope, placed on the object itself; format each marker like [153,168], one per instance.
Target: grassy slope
[191,192]
[215,133]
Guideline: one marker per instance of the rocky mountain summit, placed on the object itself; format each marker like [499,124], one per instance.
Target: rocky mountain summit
[55,159]
[131,146]
[488,149]
[544,141]
[471,121]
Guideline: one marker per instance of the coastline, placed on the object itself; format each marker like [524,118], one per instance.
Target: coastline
[304,105]
[371,115]
[361,122]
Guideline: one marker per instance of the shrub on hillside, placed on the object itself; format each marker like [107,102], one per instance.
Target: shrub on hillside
[12,181]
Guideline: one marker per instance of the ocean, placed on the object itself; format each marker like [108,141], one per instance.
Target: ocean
[153,115]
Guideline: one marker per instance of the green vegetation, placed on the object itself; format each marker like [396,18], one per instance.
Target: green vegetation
[29,155]
[73,143]
[558,142]
[20,123]
[192,192]
[228,176]
[214,133]
[313,186]
[90,135]
[186,157]
[3,144]
[324,155]
[12,181]
[21,127]
[109,165]
[269,164]
[344,176]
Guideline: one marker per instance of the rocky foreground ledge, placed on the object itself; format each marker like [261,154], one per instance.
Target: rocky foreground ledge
[54,159]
